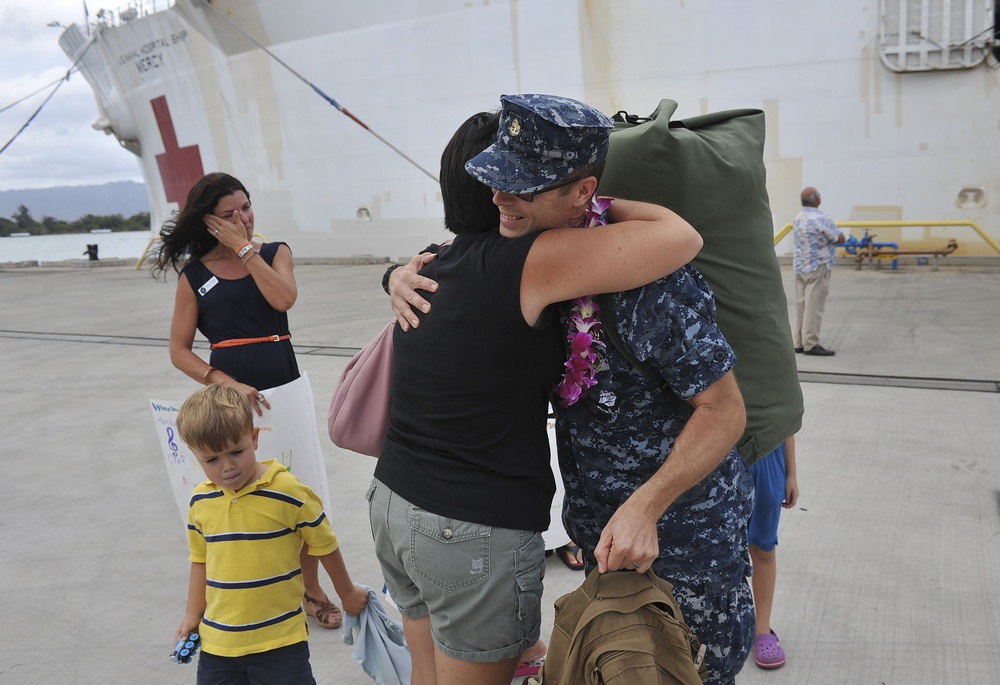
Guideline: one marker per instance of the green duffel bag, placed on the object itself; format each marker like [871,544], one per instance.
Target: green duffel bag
[710,170]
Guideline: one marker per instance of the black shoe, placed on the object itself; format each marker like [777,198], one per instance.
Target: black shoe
[798,350]
[820,351]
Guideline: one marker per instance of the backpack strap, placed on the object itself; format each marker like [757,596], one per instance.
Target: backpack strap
[609,326]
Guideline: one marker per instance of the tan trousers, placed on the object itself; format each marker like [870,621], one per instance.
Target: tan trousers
[811,290]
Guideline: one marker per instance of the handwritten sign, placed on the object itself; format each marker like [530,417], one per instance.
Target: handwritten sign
[288,433]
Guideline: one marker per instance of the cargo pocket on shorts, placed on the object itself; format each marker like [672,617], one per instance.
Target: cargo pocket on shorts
[450,554]
[529,570]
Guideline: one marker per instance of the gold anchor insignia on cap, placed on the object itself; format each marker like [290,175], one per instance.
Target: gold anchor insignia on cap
[515,127]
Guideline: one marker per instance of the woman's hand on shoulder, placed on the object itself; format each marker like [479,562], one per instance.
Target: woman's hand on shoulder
[403,285]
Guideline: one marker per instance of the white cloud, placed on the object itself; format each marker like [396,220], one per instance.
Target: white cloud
[59,147]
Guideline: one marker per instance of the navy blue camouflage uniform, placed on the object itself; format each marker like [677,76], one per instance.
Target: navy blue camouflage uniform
[616,438]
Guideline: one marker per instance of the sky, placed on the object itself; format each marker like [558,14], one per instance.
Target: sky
[59,147]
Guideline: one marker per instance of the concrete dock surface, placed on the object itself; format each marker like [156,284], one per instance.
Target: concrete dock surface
[888,567]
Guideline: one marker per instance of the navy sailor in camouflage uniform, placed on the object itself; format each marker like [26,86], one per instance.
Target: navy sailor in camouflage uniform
[652,476]
[630,448]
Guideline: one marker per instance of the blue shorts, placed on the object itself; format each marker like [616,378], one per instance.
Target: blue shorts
[769,483]
[480,585]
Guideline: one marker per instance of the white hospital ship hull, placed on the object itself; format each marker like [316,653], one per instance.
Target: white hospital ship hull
[860,96]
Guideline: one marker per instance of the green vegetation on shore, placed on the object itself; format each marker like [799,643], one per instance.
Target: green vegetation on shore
[22,222]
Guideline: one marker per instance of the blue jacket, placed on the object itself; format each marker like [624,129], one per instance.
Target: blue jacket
[379,645]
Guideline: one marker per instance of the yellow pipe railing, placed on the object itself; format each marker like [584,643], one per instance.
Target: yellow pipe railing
[152,240]
[897,224]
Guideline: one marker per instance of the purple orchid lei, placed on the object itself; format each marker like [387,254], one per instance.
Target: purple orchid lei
[582,330]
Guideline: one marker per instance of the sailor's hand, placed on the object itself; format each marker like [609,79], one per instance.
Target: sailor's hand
[629,541]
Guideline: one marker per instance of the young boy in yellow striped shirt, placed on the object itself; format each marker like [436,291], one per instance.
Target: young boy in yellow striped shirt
[246,525]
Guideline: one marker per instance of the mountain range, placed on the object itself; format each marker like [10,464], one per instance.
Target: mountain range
[69,203]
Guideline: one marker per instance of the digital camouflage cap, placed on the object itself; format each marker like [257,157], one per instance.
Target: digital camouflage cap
[541,140]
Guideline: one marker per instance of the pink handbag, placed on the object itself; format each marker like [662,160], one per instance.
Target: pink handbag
[359,410]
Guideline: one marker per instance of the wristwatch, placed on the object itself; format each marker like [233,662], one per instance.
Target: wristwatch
[388,273]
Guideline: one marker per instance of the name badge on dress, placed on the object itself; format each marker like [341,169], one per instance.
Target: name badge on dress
[208,285]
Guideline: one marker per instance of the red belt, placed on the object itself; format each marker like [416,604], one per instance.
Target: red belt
[236,342]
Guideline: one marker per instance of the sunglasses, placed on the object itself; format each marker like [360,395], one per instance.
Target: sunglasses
[530,197]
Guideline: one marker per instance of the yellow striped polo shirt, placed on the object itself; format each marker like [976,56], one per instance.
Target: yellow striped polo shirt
[249,542]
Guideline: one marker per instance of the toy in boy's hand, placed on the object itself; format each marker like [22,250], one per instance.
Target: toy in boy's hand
[185,649]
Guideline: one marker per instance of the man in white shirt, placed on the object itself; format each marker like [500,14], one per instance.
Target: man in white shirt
[816,237]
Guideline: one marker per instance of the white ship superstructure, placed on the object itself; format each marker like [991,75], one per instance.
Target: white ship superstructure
[890,107]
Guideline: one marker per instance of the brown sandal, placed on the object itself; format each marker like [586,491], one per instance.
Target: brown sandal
[326,613]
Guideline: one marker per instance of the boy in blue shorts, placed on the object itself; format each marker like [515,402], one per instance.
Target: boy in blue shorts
[246,525]
[776,486]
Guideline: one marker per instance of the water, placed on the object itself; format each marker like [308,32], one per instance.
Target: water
[56,248]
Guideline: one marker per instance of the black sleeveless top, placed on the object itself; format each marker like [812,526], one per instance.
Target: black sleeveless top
[470,389]
[230,309]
